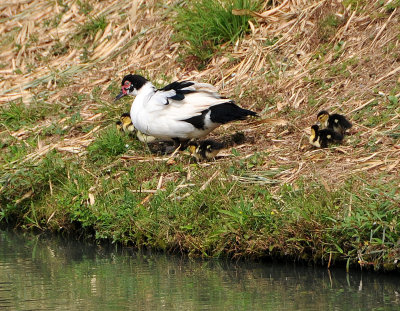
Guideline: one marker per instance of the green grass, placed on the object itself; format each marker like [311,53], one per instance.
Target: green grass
[16,114]
[84,7]
[59,48]
[390,7]
[206,24]
[395,133]
[8,38]
[358,221]
[109,143]
[85,34]
[26,184]
[342,68]
[379,112]
[327,27]
[14,150]
[88,30]
[355,4]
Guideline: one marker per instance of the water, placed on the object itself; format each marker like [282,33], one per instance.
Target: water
[42,273]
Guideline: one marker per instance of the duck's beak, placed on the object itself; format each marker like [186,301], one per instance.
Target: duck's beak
[120,95]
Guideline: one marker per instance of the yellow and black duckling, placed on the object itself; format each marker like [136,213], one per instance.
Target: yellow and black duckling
[335,122]
[321,138]
[125,124]
[205,150]
[118,124]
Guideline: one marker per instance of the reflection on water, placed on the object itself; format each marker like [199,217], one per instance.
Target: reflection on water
[41,273]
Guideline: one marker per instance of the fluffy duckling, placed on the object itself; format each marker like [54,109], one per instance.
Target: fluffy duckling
[321,138]
[205,150]
[118,124]
[125,124]
[335,122]
[181,111]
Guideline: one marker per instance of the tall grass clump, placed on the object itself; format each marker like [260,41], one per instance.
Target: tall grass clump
[110,143]
[24,185]
[16,114]
[205,24]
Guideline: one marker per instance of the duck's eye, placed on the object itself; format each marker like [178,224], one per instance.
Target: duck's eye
[127,84]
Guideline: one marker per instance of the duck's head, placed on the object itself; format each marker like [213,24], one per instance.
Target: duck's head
[323,117]
[130,85]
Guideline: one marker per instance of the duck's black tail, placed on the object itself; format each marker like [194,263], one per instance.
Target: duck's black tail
[229,111]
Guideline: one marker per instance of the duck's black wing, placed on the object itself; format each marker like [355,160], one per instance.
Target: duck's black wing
[177,90]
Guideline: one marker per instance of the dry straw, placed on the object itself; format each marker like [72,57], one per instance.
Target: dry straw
[279,59]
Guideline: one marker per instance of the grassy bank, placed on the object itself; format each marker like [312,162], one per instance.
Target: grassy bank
[218,210]
[65,168]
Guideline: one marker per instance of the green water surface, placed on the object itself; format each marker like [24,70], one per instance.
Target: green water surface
[43,273]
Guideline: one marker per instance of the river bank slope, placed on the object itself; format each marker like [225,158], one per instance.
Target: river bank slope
[66,168]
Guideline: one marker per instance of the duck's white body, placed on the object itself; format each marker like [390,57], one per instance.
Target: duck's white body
[151,115]
[181,110]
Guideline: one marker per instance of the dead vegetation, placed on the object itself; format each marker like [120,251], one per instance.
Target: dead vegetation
[300,57]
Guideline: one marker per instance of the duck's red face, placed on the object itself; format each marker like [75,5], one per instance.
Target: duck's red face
[124,90]
[125,87]
[130,85]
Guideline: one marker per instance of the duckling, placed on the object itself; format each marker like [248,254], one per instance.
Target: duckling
[205,150]
[125,124]
[321,138]
[118,124]
[335,122]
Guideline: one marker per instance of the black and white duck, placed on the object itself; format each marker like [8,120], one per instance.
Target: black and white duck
[182,110]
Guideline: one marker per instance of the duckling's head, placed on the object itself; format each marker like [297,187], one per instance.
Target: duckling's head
[315,128]
[130,85]
[192,147]
[118,124]
[212,151]
[126,122]
[211,148]
[314,136]
[125,118]
[314,132]
[323,117]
